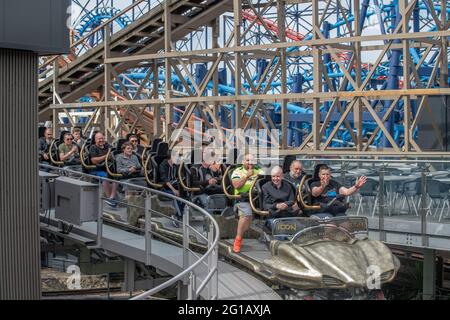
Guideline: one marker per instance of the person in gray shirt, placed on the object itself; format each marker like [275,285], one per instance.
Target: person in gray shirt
[128,163]
[295,173]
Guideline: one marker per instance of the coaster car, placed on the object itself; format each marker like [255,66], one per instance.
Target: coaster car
[300,253]
[333,253]
[330,253]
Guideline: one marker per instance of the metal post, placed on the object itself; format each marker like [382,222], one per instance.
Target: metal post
[185,240]
[423,207]
[156,108]
[100,214]
[381,205]
[168,69]
[343,169]
[429,274]
[212,264]
[129,272]
[107,79]
[192,295]
[55,92]
[282,37]
[443,81]
[317,76]
[148,230]
[357,108]
[237,10]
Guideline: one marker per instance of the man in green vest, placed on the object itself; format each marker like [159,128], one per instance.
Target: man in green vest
[242,179]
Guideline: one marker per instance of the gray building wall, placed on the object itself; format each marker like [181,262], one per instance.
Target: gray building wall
[35,25]
[19,218]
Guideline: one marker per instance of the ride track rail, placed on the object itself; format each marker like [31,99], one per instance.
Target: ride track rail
[86,291]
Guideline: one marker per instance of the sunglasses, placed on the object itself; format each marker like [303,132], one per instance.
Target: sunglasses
[69,138]
[133,141]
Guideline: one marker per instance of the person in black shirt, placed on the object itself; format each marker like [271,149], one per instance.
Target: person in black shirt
[97,154]
[44,146]
[325,190]
[137,148]
[279,197]
[168,175]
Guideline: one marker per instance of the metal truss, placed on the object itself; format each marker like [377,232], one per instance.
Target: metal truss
[315,70]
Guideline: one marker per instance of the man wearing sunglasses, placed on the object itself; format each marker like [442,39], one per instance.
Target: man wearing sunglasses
[68,151]
[137,148]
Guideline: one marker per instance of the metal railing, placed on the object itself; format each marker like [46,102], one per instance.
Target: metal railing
[191,272]
[414,193]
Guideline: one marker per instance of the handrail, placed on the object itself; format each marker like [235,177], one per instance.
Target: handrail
[112,174]
[262,213]
[54,161]
[212,251]
[224,186]
[82,156]
[376,160]
[146,173]
[300,199]
[180,179]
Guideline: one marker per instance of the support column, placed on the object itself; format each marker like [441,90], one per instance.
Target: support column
[407,64]
[237,10]
[19,217]
[56,124]
[215,77]
[444,58]
[282,38]
[357,109]
[317,75]
[168,71]
[107,81]
[156,108]
[429,274]
[129,272]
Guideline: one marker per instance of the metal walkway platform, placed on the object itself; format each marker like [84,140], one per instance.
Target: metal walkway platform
[233,283]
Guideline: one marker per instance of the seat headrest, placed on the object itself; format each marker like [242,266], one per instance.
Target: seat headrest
[41,132]
[163,149]
[120,142]
[287,162]
[316,171]
[263,180]
[155,144]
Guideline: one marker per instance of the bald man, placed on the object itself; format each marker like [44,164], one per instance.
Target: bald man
[242,179]
[279,196]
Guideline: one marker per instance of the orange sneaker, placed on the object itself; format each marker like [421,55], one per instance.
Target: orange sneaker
[237,245]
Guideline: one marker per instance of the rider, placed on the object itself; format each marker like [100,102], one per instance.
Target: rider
[167,172]
[207,176]
[69,151]
[325,191]
[136,147]
[127,162]
[295,173]
[242,179]
[279,197]
[97,153]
